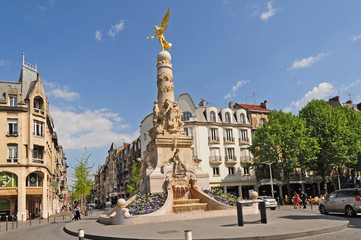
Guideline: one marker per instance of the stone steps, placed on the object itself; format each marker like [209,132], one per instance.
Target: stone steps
[188,205]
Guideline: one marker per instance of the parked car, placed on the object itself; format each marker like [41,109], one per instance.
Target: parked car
[346,200]
[269,201]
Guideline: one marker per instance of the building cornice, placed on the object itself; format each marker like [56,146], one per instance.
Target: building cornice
[13,109]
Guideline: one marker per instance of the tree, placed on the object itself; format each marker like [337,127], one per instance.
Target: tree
[335,134]
[284,137]
[134,177]
[82,177]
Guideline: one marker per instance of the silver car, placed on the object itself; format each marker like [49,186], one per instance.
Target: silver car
[346,200]
[269,201]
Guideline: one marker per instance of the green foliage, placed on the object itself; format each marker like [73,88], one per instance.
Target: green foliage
[134,177]
[82,177]
[284,141]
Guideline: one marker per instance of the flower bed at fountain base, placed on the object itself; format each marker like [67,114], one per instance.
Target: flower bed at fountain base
[166,214]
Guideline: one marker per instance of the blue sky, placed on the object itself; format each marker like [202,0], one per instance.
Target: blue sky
[99,70]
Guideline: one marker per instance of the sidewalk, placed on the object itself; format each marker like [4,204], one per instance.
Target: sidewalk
[284,223]
[60,217]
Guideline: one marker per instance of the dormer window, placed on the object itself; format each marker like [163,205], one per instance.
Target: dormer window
[212,116]
[39,105]
[186,116]
[13,100]
[227,117]
[242,118]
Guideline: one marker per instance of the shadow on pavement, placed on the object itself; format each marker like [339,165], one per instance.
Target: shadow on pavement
[305,217]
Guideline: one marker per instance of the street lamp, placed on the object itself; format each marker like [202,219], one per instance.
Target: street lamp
[270,173]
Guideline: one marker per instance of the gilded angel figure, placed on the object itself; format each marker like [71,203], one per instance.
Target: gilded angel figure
[159,32]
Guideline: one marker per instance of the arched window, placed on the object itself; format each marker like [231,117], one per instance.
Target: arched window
[34,180]
[262,121]
[242,118]
[186,116]
[212,116]
[38,103]
[227,117]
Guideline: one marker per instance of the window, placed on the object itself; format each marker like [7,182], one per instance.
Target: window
[231,170]
[245,155]
[262,121]
[38,128]
[212,116]
[38,152]
[213,134]
[33,180]
[228,135]
[186,116]
[242,118]
[12,152]
[38,103]
[12,126]
[214,154]
[246,170]
[243,135]
[230,154]
[13,100]
[227,117]
[216,171]
[188,131]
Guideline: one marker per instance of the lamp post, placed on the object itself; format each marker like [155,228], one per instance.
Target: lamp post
[270,173]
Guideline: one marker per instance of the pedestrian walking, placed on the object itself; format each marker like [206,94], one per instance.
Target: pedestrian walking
[296,199]
[304,199]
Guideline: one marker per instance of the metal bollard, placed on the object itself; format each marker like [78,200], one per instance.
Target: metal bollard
[262,209]
[7,219]
[54,218]
[12,222]
[188,234]
[239,214]
[81,234]
[17,223]
[30,219]
[311,204]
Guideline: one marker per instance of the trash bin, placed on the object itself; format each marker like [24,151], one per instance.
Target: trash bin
[86,212]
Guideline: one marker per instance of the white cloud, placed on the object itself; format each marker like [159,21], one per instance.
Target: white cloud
[115,29]
[345,88]
[41,8]
[4,63]
[319,92]
[57,91]
[232,93]
[307,62]
[270,12]
[89,128]
[98,35]
[355,38]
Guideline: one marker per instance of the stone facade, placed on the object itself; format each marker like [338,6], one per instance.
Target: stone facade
[33,169]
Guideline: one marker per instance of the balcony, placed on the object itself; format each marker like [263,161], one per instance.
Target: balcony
[36,160]
[215,159]
[231,159]
[38,111]
[228,140]
[246,159]
[213,140]
[243,141]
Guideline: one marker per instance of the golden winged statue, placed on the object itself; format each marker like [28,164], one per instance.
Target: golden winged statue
[159,32]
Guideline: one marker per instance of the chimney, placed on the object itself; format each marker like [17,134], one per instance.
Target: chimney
[203,103]
[264,104]
[230,105]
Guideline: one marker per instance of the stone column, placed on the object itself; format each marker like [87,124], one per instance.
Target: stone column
[164,78]
[240,191]
[21,215]
[44,199]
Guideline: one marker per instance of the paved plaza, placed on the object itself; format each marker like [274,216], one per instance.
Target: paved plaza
[283,223]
